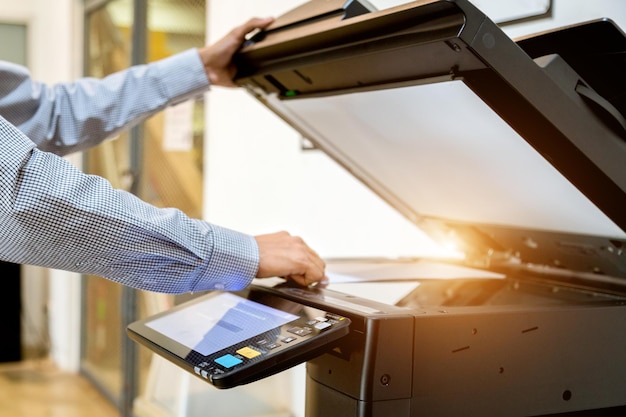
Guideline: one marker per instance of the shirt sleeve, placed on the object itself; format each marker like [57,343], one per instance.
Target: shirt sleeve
[69,117]
[55,216]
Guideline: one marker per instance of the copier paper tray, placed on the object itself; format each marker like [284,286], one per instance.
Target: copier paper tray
[512,150]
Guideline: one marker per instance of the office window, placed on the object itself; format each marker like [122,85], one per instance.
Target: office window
[13,45]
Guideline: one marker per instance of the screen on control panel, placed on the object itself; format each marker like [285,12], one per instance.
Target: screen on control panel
[219,322]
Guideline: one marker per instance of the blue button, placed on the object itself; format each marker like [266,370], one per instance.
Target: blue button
[228,361]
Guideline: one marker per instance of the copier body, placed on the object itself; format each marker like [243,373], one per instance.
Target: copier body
[547,339]
[515,358]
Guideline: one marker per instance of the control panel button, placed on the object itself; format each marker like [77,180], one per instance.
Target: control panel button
[248,352]
[300,331]
[228,361]
[322,326]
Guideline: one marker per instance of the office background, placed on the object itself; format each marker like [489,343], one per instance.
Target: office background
[235,173]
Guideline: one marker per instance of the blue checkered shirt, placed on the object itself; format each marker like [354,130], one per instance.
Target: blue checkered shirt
[55,216]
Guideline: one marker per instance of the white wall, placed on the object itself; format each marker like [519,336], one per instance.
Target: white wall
[566,12]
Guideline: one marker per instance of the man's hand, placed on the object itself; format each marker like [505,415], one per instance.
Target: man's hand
[286,256]
[217,58]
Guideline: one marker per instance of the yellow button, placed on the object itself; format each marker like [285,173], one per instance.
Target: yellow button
[248,352]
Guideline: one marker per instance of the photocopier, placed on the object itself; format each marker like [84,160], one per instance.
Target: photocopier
[515,151]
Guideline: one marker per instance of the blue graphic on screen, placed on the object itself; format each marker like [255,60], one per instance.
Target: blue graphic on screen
[219,322]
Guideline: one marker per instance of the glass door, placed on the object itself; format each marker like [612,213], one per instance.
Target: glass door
[160,161]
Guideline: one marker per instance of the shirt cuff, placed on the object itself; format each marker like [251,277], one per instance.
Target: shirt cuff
[182,75]
[233,264]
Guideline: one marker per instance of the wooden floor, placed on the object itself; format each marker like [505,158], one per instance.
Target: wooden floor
[38,389]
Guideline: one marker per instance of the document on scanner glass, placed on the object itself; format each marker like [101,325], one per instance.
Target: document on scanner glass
[355,271]
[389,281]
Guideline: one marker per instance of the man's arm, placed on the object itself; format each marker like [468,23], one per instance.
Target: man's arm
[55,216]
[69,117]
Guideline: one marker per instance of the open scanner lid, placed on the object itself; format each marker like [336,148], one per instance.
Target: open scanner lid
[517,154]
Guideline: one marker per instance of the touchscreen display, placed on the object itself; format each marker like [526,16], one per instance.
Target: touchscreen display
[219,322]
[229,339]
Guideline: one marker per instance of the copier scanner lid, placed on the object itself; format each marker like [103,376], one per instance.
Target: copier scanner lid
[514,151]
